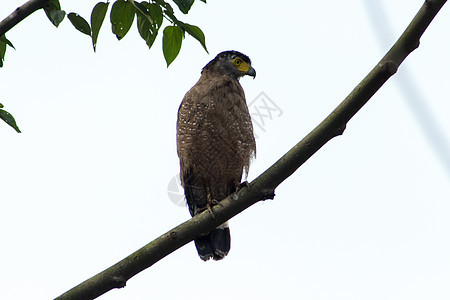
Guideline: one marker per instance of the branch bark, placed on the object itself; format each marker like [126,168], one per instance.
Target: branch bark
[21,13]
[263,187]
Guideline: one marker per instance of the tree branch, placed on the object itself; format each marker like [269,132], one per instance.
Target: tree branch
[21,13]
[263,187]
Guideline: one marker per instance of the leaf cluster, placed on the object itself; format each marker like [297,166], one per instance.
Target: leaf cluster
[149,17]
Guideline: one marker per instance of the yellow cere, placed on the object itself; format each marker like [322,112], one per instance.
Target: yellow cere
[241,65]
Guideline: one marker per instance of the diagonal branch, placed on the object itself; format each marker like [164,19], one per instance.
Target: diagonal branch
[21,13]
[263,187]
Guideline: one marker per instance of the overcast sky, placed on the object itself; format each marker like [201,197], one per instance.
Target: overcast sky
[91,178]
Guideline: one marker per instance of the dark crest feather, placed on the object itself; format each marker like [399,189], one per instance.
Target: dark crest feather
[228,54]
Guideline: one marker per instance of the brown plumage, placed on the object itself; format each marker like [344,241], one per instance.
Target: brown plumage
[215,142]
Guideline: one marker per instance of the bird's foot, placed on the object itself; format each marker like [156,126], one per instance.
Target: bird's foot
[209,207]
[242,185]
[211,204]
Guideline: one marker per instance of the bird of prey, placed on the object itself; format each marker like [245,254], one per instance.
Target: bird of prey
[215,142]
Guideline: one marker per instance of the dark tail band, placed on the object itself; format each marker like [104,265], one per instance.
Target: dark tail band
[215,245]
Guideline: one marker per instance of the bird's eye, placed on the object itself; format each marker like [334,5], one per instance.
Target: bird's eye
[238,62]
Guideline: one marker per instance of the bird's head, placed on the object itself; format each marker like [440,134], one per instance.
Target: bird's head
[233,63]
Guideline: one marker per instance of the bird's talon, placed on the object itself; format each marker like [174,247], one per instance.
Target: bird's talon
[214,202]
[210,210]
[242,185]
[209,207]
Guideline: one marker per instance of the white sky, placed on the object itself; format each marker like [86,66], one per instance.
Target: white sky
[86,183]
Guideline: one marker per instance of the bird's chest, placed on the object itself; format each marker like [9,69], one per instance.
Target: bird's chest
[225,121]
[221,120]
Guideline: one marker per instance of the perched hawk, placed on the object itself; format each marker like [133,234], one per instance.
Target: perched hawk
[215,142]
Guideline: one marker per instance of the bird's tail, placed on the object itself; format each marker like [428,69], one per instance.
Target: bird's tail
[215,244]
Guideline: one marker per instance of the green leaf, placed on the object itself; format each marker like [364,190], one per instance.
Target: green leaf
[172,38]
[97,16]
[148,29]
[54,12]
[142,10]
[2,53]
[6,41]
[79,23]
[56,16]
[184,5]
[9,119]
[122,16]
[156,13]
[197,33]
[53,5]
